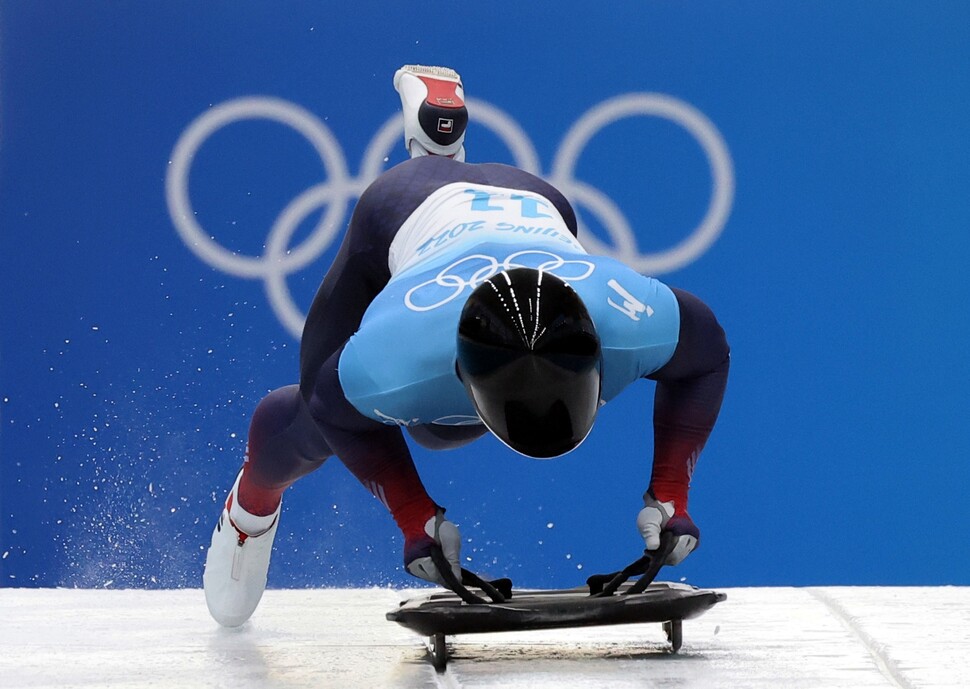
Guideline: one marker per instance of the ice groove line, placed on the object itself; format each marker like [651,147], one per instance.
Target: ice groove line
[885,664]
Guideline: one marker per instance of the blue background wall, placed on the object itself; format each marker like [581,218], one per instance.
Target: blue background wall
[129,366]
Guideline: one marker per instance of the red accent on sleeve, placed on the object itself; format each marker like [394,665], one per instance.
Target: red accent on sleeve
[673,465]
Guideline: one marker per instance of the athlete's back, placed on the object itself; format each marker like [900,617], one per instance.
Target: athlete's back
[463,232]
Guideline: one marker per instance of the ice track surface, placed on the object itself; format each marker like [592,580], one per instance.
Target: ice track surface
[759,637]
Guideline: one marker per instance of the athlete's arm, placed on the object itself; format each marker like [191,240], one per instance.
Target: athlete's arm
[690,388]
[377,454]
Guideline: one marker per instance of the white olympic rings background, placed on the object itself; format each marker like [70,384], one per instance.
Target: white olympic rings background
[340,189]
[478,268]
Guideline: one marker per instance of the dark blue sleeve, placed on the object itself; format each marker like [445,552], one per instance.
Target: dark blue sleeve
[687,401]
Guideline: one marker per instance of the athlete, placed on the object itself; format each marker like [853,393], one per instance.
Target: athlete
[461,303]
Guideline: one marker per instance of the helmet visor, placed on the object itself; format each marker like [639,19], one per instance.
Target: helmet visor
[529,357]
[539,406]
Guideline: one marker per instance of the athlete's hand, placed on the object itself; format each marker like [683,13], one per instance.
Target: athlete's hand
[657,517]
[417,553]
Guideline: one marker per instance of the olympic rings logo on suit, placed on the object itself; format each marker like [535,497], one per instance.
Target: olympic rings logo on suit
[479,267]
[278,261]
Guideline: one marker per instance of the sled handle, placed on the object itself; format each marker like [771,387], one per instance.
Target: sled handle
[647,567]
[499,590]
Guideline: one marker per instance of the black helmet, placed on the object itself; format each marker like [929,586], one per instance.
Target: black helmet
[529,357]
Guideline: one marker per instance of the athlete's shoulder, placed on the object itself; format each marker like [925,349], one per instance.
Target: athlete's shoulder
[619,289]
[620,266]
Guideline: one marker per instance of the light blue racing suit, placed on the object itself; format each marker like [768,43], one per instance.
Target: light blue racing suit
[399,367]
